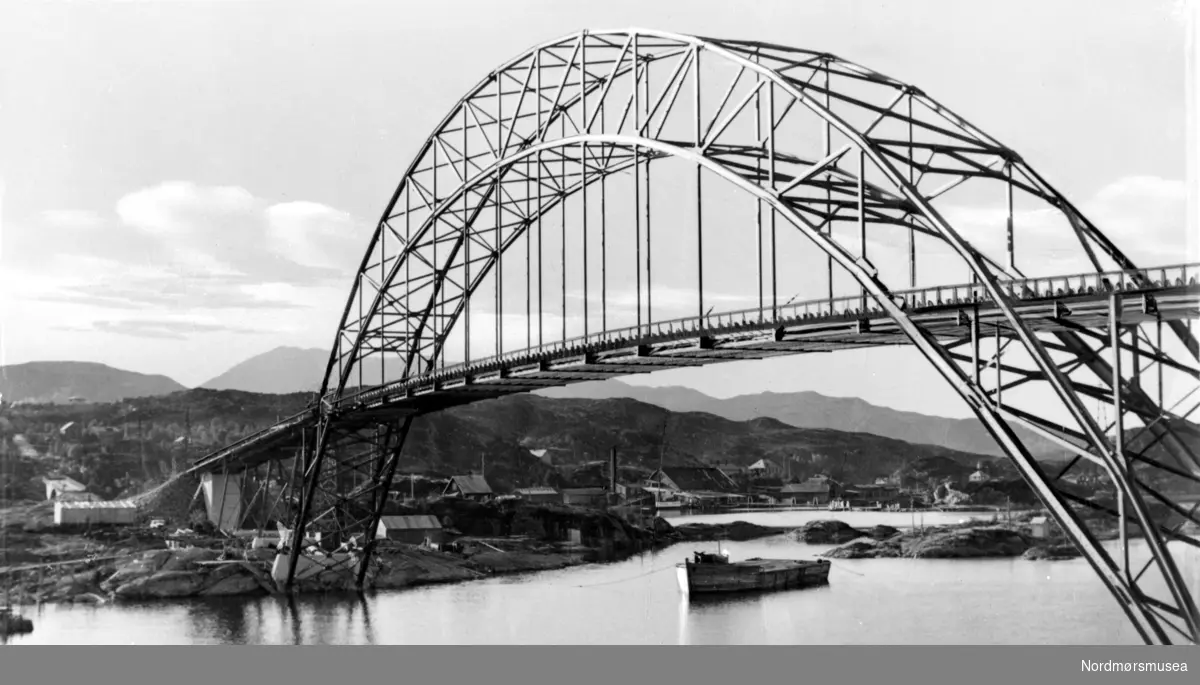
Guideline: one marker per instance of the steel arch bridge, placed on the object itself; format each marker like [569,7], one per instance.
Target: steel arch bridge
[598,205]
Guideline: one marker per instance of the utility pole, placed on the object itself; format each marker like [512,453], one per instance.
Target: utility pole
[187,439]
[141,445]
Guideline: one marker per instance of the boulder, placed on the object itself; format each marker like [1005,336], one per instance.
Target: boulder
[163,584]
[955,543]
[78,582]
[827,532]
[141,567]
[864,548]
[882,532]
[185,559]
[1051,553]
[240,582]
[661,526]
[260,554]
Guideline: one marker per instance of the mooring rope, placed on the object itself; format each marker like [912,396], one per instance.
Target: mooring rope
[623,580]
[847,570]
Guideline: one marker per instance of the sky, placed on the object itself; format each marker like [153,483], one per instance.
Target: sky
[184,185]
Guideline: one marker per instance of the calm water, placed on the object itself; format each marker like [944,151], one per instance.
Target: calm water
[868,601]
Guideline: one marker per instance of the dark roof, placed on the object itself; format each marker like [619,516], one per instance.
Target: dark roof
[472,485]
[699,478]
[583,492]
[423,522]
[78,496]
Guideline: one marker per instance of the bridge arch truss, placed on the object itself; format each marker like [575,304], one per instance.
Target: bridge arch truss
[529,231]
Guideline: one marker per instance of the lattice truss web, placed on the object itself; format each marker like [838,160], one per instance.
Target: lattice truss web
[611,180]
[505,173]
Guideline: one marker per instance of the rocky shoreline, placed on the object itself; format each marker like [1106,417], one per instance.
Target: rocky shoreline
[124,572]
[964,541]
[140,568]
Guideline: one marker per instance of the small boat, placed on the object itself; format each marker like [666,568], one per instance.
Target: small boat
[710,573]
[13,624]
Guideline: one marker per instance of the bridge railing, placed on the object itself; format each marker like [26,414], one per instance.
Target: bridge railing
[249,440]
[838,308]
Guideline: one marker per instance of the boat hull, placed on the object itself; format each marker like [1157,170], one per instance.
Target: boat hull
[755,575]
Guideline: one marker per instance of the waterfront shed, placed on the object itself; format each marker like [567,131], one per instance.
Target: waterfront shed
[1039,526]
[539,495]
[413,530]
[817,491]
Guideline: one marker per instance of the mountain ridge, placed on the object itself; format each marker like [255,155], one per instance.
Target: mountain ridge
[59,381]
[809,409]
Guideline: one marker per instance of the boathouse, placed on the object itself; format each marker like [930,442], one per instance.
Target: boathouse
[816,491]
[413,530]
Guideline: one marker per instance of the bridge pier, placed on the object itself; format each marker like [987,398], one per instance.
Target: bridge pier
[346,483]
[222,500]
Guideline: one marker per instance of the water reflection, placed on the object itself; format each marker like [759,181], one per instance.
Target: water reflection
[293,614]
[222,621]
[365,610]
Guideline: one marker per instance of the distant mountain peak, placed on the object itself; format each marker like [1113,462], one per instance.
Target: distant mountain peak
[60,381]
[278,371]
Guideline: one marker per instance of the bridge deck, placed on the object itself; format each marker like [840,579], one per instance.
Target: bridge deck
[794,329]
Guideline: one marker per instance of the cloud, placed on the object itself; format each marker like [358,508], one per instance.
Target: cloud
[183,209]
[1144,216]
[314,235]
[183,246]
[180,330]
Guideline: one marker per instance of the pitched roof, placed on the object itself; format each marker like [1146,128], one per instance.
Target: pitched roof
[1038,519]
[699,478]
[114,504]
[472,485]
[536,491]
[65,484]
[763,464]
[421,522]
